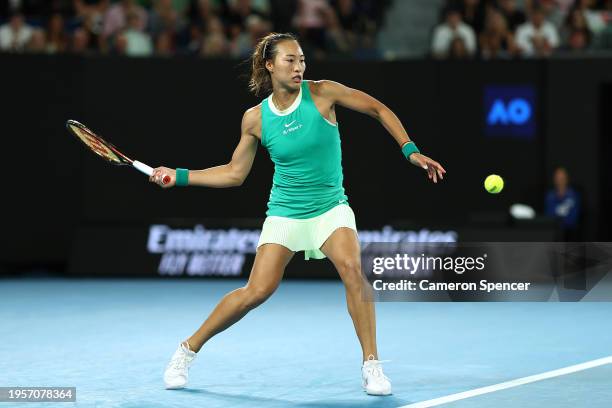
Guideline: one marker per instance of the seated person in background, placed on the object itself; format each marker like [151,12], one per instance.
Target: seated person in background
[563,202]
[15,34]
[458,50]
[497,41]
[575,23]
[578,41]
[538,37]
[453,27]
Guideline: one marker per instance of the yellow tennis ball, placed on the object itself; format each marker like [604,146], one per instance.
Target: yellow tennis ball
[494,184]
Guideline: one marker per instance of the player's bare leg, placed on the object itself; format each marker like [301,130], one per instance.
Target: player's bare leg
[267,272]
[342,248]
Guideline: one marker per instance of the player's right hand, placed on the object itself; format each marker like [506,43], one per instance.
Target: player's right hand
[159,173]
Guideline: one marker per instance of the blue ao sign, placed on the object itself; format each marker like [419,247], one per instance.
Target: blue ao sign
[510,111]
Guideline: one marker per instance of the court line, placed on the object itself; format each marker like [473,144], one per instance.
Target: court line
[510,384]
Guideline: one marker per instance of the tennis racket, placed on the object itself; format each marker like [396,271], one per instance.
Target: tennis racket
[106,150]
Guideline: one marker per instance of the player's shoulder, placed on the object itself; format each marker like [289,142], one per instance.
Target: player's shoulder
[324,87]
[251,120]
[252,115]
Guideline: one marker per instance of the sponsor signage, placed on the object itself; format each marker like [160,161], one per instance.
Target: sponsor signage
[200,251]
[510,111]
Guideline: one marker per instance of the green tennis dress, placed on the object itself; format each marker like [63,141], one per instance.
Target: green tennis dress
[307,201]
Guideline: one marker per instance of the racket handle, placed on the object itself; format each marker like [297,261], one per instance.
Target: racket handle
[148,170]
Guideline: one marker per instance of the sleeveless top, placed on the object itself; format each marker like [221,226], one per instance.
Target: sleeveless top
[305,149]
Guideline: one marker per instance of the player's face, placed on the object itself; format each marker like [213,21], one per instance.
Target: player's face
[289,65]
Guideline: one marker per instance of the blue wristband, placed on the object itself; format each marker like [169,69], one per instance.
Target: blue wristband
[410,148]
[182,177]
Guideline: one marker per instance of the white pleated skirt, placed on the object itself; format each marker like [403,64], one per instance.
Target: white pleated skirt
[308,234]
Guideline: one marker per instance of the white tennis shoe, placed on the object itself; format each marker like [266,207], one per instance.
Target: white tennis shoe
[374,380]
[177,371]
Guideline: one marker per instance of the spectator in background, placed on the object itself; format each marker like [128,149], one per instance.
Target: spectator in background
[564,6]
[345,23]
[338,41]
[575,34]
[310,22]
[57,40]
[606,35]
[92,25]
[201,14]
[80,41]
[338,27]
[194,40]
[371,13]
[134,41]
[92,10]
[164,44]
[90,13]
[120,44]
[538,37]
[595,20]
[38,42]
[563,203]
[83,7]
[347,13]
[202,11]
[458,50]
[115,18]
[15,34]
[237,15]
[513,15]
[165,18]
[452,28]
[552,12]
[578,41]
[215,42]
[244,44]
[497,41]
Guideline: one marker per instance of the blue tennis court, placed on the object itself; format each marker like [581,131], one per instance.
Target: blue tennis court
[111,339]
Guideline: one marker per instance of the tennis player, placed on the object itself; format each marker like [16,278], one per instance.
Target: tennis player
[307,209]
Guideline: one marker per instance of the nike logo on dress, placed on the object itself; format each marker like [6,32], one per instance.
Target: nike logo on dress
[289,124]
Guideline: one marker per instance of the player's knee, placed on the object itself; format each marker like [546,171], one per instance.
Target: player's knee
[350,272]
[256,295]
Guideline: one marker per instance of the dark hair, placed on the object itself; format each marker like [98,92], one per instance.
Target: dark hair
[266,49]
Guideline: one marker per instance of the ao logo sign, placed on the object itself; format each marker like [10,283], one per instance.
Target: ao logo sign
[510,111]
[516,112]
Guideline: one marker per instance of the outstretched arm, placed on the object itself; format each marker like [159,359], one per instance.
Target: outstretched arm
[362,102]
[231,174]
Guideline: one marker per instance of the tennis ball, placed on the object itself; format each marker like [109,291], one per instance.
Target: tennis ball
[494,184]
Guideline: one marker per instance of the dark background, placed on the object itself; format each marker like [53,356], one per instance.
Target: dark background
[187,113]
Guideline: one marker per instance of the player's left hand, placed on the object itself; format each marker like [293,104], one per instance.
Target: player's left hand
[434,169]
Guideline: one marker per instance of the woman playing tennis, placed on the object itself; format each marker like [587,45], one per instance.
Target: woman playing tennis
[307,209]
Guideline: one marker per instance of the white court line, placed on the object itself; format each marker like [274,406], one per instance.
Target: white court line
[510,384]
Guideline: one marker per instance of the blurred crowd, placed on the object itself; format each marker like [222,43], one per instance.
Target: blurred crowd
[529,28]
[207,28]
